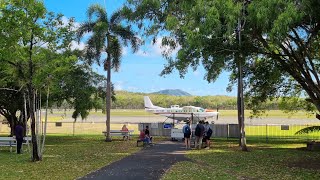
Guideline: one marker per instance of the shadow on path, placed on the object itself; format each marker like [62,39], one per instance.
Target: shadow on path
[149,163]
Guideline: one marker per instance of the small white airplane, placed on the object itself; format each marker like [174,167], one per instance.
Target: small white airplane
[180,113]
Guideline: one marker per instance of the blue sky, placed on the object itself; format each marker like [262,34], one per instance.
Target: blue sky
[140,72]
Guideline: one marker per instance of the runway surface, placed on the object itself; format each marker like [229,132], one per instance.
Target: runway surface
[221,120]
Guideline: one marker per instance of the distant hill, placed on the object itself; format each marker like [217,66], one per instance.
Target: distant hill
[173,92]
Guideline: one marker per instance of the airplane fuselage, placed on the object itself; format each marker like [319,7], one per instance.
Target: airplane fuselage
[182,113]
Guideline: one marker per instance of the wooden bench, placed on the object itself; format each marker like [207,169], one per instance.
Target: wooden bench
[11,141]
[119,133]
[313,146]
[140,140]
[143,142]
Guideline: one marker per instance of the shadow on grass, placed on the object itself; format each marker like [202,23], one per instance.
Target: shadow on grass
[305,163]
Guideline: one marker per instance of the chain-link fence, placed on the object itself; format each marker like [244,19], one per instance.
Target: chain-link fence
[264,132]
[270,132]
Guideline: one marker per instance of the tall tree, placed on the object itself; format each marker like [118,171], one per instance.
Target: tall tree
[27,33]
[279,49]
[107,35]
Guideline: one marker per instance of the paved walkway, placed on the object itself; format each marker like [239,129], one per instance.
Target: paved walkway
[149,163]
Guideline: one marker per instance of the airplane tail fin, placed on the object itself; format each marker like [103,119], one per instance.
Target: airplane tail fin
[147,102]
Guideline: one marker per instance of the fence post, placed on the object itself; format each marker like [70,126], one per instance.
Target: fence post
[266,133]
[228,131]
[74,125]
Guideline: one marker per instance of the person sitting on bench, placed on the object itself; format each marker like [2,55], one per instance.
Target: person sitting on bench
[144,138]
[125,132]
[147,135]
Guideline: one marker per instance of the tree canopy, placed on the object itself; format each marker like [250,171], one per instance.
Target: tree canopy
[279,42]
[36,55]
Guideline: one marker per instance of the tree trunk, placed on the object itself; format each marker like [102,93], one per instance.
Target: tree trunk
[108,97]
[31,98]
[12,120]
[240,100]
[35,153]
[46,122]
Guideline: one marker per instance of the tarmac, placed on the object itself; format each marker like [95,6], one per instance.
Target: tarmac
[221,120]
[149,163]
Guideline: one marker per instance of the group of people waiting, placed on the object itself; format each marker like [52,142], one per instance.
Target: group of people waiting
[145,136]
[202,133]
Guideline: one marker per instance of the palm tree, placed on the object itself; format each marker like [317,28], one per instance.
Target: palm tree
[107,36]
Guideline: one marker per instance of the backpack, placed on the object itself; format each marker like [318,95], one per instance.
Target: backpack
[187,130]
[197,131]
[209,132]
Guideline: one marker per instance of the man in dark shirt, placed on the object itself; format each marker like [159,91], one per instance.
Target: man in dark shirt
[146,131]
[18,131]
[199,132]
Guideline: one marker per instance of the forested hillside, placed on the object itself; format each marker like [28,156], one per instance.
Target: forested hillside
[173,92]
[128,100]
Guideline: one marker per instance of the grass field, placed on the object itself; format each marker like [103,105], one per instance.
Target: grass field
[65,157]
[278,160]
[68,157]
[275,131]
[69,128]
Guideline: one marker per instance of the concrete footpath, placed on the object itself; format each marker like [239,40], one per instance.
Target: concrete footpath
[149,163]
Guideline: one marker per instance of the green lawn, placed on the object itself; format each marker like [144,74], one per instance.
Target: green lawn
[279,160]
[65,157]
[68,157]
[274,131]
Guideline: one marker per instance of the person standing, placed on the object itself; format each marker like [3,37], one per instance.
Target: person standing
[19,131]
[199,132]
[208,133]
[186,134]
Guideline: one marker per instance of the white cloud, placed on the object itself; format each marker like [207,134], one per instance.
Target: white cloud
[118,86]
[132,88]
[65,22]
[76,45]
[76,26]
[124,51]
[196,73]
[153,50]
[143,53]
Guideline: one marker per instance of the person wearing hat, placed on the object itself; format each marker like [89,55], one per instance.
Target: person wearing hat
[186,134]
